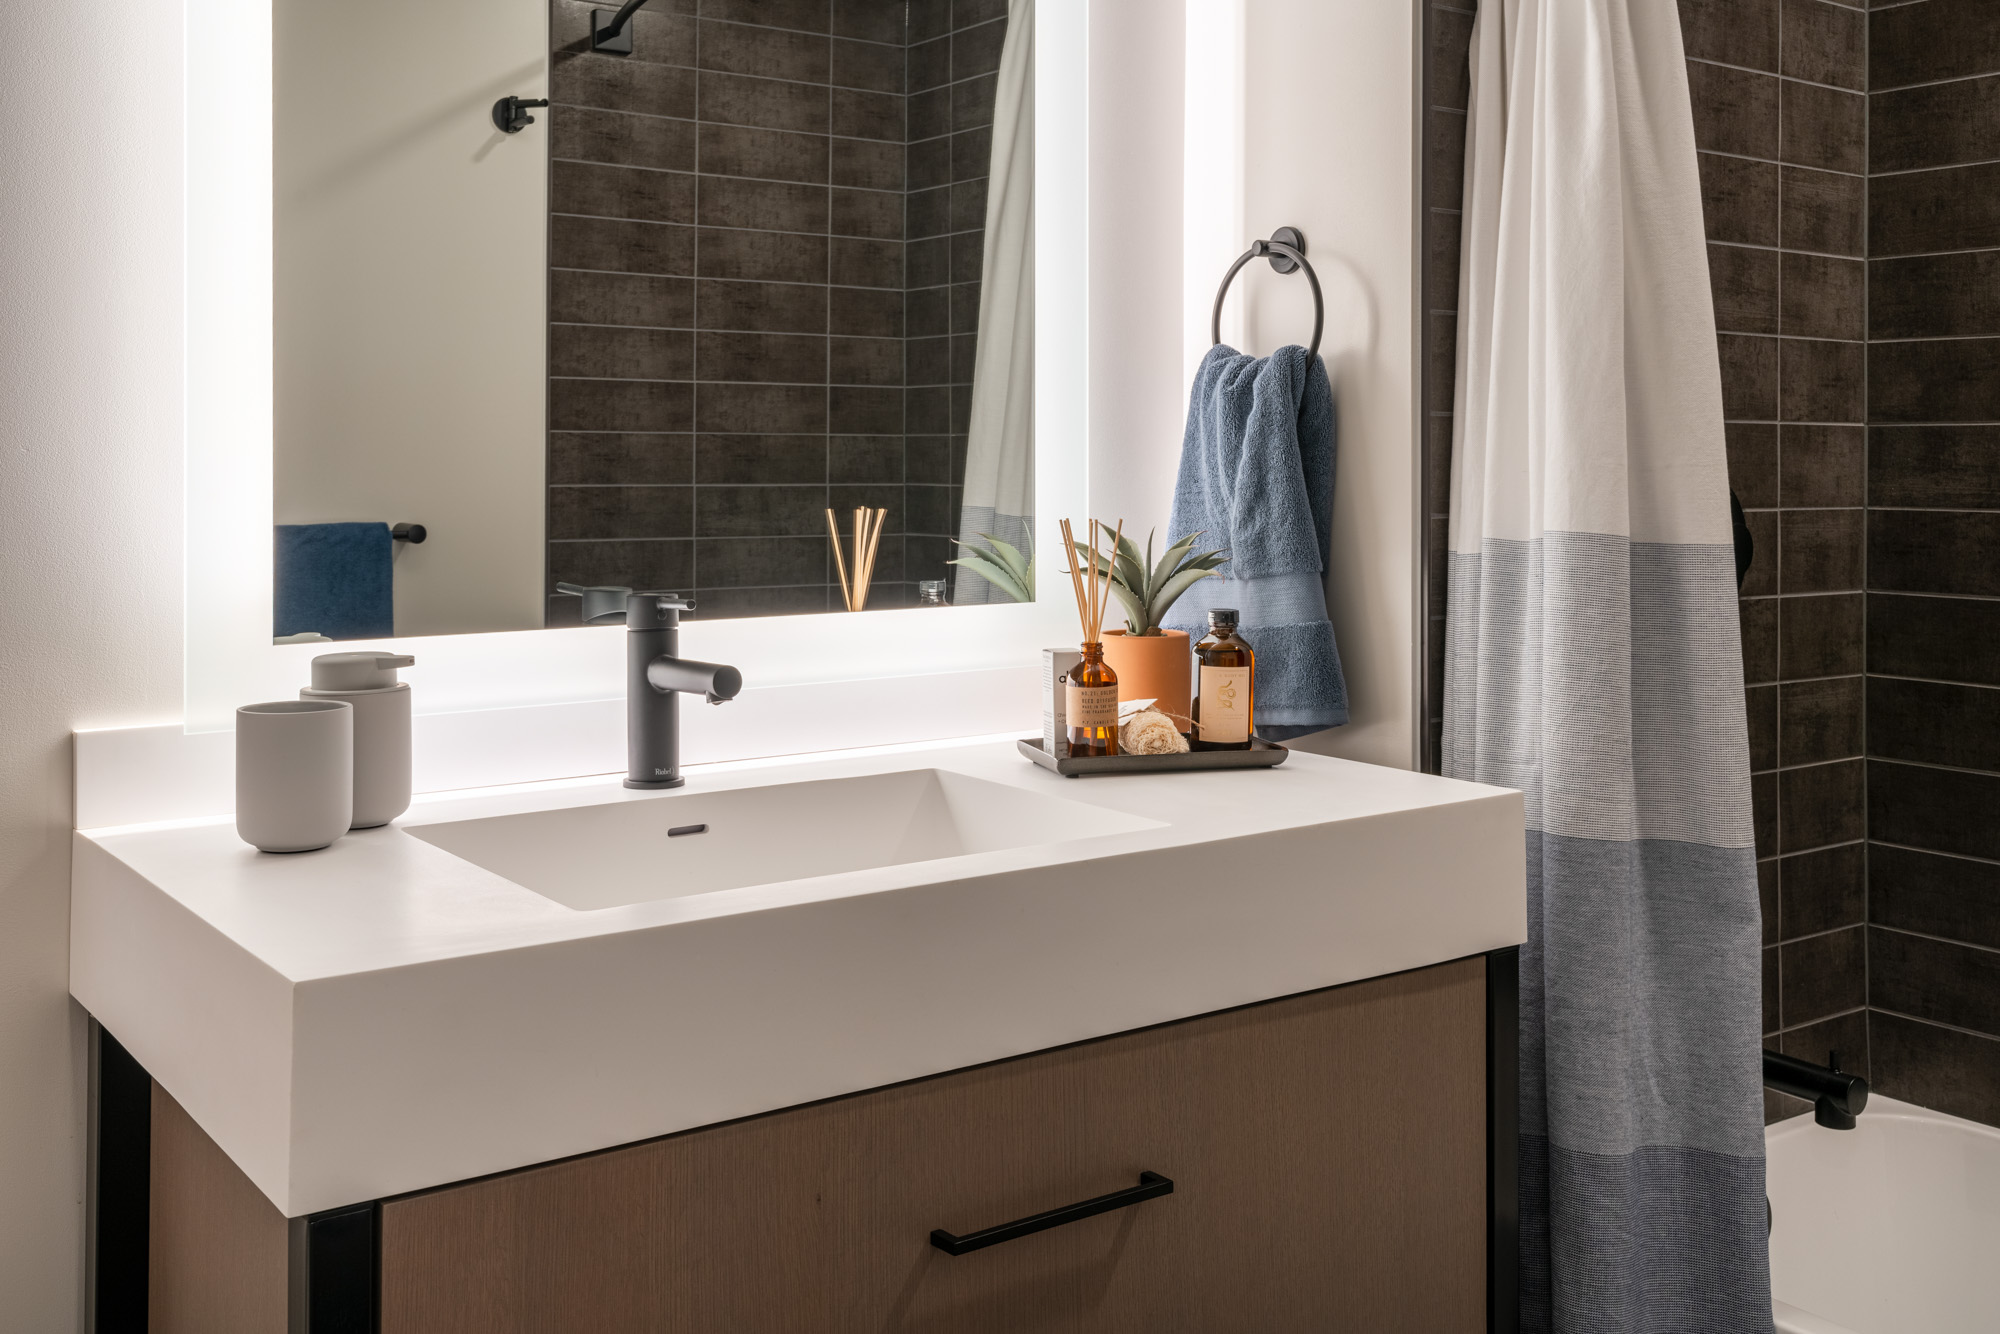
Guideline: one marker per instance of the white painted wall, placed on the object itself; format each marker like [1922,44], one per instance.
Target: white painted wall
[91,461]
[1329,145]
[409,370]
[90,547]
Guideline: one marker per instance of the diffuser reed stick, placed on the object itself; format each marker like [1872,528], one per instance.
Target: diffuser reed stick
[1076,578]
[860,558]
[839,560]
[1093,592]
[879,518]
[1090,631]
[1104,590]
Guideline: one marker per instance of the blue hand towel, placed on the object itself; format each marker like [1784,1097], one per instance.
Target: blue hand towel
[334,578]
[1256,476]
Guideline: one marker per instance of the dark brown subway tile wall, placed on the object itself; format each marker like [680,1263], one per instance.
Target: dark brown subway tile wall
[1933,560]
[764,246]
[1780,124]
[1780,117]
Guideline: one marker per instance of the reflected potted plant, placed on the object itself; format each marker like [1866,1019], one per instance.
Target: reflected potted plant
[1153,663]
[1001,564]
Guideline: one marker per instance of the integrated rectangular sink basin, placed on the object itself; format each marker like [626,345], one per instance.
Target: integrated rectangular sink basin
[609,855]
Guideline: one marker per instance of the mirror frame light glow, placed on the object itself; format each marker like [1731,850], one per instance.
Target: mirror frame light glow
[229,657]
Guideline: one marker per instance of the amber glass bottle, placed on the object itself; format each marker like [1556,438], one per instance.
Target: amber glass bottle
[1090,704]
[1225,696]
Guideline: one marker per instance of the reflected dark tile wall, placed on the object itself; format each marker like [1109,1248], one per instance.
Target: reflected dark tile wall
[1447,38]
[1933,559]
[955,49]
[765,233]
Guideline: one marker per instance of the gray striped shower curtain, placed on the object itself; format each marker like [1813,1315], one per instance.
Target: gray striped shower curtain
[1593,662]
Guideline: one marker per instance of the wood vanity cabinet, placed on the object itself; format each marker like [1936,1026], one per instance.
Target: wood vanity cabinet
[1328,1154]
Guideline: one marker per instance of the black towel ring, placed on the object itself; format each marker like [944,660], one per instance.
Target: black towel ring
[1287,252]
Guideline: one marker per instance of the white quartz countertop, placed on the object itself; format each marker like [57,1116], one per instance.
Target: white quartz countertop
[383,1016]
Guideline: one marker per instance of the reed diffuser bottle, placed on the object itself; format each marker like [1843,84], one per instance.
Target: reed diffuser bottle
[1225,697]
[1090,703]
[1090,699]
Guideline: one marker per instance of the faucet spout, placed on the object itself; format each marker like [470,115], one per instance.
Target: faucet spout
[711,680]
[1837,1096]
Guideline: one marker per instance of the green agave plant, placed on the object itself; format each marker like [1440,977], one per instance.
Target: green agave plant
[1001,565]
[1147,588]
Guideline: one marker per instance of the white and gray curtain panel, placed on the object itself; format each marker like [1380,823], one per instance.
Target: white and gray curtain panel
[1594,662]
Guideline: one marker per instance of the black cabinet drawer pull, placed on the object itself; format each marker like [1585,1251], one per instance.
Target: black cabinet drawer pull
[1151,1186]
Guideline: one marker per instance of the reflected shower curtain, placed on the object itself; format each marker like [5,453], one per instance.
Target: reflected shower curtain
[1593,661]
[1000,448]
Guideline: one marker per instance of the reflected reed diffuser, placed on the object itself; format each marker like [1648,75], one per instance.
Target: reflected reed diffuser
[854,582]
[1091,698]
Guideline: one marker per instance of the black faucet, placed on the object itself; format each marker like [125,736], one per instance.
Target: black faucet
[655,675]
[1837,1096]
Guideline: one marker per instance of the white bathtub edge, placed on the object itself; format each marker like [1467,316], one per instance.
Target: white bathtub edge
[1791,1320]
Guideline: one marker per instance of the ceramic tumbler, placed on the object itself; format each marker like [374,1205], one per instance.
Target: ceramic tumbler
[294,773]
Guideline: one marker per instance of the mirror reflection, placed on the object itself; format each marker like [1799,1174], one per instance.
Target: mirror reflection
[676,296]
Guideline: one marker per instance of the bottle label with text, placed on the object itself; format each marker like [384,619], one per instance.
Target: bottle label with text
[1091,706]
[1225,704]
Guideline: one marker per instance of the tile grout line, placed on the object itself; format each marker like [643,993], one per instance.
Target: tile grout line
[1931,936]
[1935,767]
[1867,413]
[694,395]
[1778,162]
[1775,74]
[1778,557]
[1934,852]
[1939,1023]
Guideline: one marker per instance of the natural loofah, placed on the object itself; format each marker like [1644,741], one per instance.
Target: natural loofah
[1150,732]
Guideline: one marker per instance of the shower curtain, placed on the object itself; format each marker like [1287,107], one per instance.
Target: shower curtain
[1000,449]
[1593,661]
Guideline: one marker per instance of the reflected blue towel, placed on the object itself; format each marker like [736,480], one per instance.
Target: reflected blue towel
[334,578]
[1256,476]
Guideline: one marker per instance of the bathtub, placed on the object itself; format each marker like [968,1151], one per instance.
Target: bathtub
[1890,1228]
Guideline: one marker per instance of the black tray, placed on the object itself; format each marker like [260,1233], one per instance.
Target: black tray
[1261,755]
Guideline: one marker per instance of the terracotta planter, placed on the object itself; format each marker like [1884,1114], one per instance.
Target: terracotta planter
[1151,667]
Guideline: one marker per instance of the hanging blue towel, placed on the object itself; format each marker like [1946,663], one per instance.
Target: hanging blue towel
[334,578]
[1256,476]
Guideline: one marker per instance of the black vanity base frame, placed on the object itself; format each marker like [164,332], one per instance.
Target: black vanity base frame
[334,1279]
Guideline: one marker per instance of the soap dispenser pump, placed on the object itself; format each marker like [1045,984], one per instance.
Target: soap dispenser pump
[381,727]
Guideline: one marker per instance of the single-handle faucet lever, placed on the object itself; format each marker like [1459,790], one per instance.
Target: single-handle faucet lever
[655,675]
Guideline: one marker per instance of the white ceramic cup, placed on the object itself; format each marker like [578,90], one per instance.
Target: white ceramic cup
[294,773]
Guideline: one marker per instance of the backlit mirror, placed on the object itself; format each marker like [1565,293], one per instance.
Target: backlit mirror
[774,261]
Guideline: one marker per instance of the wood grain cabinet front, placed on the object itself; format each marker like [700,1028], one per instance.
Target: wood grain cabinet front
[1327,1153]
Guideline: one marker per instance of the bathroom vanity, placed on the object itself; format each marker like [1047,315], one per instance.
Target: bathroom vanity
[763,1053]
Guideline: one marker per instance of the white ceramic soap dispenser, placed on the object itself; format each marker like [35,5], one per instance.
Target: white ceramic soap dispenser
[381,728]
